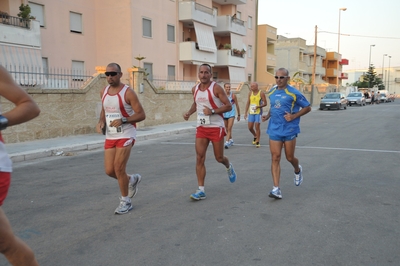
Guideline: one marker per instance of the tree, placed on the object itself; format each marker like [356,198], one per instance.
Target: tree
[372,79]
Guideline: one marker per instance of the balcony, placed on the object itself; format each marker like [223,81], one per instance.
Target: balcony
[271,60]
[190,11]
[331,72]
[318,70]
[20,35]
[227,25]
[344,62]
[332,56]
[230,2]
[226,58]
[344,76]
[189,54]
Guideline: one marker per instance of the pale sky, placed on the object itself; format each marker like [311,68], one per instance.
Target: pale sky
[378,20]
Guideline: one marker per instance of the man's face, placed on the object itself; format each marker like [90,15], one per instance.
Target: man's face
[253,87]
[113,75]
[281,78]
[227,88]
[204,74]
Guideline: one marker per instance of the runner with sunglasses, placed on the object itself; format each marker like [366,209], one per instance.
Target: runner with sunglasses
[287,105]
[120,112]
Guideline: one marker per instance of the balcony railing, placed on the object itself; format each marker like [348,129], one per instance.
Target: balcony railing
[14,21]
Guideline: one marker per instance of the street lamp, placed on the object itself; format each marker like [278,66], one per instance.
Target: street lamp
[383,68]
[372,45]
[388,79]
[338,47]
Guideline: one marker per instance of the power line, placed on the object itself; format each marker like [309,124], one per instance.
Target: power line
[356,35]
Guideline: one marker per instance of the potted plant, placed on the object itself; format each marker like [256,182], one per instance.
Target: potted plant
[227,46]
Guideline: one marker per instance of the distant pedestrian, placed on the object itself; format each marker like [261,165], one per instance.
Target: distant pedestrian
[378,97]
[209,103]
[120,112]
[256,100]
[287,105]
[372,97]
[12,247]
[229,117]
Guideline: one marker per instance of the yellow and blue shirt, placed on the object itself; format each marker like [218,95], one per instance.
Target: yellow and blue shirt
[285,100]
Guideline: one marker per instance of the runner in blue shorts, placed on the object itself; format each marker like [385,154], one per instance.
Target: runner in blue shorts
[287,106]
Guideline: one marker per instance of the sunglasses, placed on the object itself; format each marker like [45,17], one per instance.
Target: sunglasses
[112,74]
[280,77]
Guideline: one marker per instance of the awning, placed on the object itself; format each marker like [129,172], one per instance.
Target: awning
[237,42]
[20,56]
[237,74]
[205,37]
[21,60]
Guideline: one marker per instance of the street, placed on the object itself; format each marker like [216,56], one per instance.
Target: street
[346,212]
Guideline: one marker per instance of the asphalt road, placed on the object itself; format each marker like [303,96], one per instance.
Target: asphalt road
[346,212]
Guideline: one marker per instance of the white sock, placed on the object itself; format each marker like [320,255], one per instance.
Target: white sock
[126,199]
[132,178]
[275,188]
[201,188]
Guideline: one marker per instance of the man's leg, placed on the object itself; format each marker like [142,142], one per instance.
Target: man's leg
[201,149]
[276,150]
[289,152]
[258,131]
[13,248]
[219,153]
[120,161]
[229,128]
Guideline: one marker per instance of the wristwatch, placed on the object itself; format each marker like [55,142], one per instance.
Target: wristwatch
[124,120]
[212,111]
[3,122]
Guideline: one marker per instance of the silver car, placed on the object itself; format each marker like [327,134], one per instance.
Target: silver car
[333,100]
[356,98]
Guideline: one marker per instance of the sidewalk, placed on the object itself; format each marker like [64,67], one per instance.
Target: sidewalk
[36,149]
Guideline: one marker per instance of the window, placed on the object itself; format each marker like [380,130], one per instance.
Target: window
[75,22]
[148,68]
[37,11]
[45,66]
[215,75]
[249,77]
[250,51]
[77,71]
[171,33]
[238,14]
[147,27]
[171,72]
[250,22]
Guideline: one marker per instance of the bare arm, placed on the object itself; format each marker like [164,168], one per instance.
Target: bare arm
[25,108]
[237,106]
[289,117]
[264,99]
[221,94]
[247,105]
[102,120]
[192,108]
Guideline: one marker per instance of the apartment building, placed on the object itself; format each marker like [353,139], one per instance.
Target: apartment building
[266,59]
[333,64]
[298,57]
[168,38]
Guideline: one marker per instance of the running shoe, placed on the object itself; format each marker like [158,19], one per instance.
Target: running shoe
[198,195]
[258,145]
[254,141]
[276,194]
[133,187]
[231,142]
[227,145]
[298,178]
[231,173]
[124,207]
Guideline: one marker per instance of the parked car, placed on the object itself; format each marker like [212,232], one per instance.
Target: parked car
[333,100]
[356,98]
[382,97]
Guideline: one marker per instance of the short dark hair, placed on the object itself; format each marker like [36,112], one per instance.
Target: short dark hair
[207,65]
[115,64]
[284,69]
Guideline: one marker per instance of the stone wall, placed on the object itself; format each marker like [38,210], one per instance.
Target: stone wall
[66,112]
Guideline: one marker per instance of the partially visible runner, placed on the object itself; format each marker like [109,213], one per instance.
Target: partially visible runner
[12,247]
[229,117]
[287,104]
[119,115]
[210,102]
[256,100]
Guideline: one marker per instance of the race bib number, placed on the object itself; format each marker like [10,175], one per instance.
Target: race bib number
[253,109]
[203,119]
[109,118]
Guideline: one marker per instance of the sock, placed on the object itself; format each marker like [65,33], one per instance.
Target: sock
[275,188]
[201,188]
[126,199]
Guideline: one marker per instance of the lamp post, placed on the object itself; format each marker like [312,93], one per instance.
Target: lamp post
[383,68]
[388,79]
[369,65]
[338,47]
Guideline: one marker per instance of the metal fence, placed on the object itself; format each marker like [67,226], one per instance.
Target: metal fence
[15,21]
[49,78]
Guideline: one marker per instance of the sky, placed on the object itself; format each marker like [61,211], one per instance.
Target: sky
[363,24]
